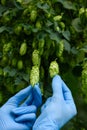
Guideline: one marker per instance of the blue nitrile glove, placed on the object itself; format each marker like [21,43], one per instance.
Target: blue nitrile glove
[58,109]
[19,112]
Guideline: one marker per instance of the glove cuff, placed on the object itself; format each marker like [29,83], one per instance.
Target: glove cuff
[46,125]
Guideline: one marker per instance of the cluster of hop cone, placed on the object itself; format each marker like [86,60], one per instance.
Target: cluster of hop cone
[35,74]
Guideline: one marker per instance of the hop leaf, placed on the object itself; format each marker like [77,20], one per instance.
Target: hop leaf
[34,75]
[53,69]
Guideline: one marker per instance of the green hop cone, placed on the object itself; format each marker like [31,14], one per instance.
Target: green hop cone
[53,69]
[34,44]
[38,25]
[41,46]
[3,2]
[41,43]
[36,58]
[20,1]
[60,49]
[23,49]
[33,15]
[14,62]
[81,11]
[4,61]
[34,75]
[18,29]
[62,25]
[20,64]
[57,18]
[6,48]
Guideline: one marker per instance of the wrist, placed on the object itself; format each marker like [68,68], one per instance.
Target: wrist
[46,125]
[45,128]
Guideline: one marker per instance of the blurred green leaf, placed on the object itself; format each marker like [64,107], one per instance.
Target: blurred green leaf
[55,37]
[26,77]
[68,5]
[80,56]
[84,49]
[76,23]
[17,5]
[67,45]
[45,7]
[17,81]
[6,69]
[74,50]
[49,23]
[3,28]
[66,35]
[2,9]
[12,72]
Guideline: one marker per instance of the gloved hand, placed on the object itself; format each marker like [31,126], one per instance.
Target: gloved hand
[19,112]
[58,109]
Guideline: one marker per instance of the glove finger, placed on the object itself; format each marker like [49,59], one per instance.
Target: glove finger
[46,104]
[28,101]
[24,110]
[69,98]
[20,96]
[57,87]
[37,96]
[26,117]
[67,93]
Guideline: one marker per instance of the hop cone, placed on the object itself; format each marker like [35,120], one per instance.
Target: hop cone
[53,69]
[34,75]
[36,58]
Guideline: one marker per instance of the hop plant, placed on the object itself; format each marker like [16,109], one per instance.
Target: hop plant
[34,75]
[53,69]
[84,82]
[36,58]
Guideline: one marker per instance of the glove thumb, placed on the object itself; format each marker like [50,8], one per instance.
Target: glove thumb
[57,86]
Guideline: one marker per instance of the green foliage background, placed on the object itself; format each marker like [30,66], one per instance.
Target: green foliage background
[50,21]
